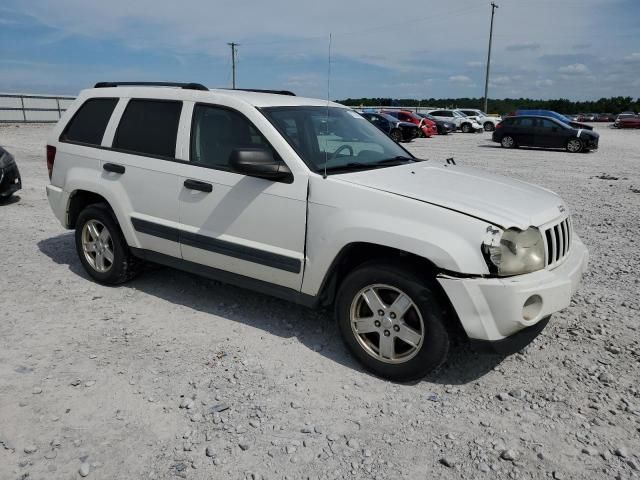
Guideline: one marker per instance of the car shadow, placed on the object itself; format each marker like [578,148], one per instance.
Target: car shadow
[532,149]
[315,329]
[10,200]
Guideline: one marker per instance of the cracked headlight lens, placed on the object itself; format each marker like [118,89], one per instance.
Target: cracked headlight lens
[518,252]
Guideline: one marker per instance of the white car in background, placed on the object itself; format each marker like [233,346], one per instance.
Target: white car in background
[463,123]
[487,122]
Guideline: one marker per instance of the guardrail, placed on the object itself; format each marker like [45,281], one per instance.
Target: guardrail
[21,108]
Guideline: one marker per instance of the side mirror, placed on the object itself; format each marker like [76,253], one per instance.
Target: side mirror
[259,162]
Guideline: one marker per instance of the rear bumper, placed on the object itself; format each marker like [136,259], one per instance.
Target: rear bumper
[493,309]
[58,200]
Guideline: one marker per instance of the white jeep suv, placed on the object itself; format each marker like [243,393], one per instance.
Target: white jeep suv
[307,201]
[487,122]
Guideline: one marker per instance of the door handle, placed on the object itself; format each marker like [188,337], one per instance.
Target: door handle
[112,167]
[200,186]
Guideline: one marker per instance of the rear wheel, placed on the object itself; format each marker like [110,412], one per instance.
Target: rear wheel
[508,142]
[574,145]
[466,128]
[396,135]
[392,321]
[489,127]
[102,249]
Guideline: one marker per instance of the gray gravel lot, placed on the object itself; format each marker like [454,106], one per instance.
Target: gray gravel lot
[174,376]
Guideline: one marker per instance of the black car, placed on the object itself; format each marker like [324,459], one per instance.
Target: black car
[398,131]
[443,127]
[547,132]
[10,181]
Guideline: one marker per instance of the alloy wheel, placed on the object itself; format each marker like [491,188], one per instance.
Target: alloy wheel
[97,246]
[387,323]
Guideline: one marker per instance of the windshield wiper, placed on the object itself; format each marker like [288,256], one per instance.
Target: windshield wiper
[399,159]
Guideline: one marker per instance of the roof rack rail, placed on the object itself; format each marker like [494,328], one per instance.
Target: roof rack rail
[187,86]
[275,92]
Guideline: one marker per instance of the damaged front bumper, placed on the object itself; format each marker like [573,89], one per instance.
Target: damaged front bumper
[493,309]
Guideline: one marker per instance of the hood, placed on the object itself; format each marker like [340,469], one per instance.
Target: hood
[499,200]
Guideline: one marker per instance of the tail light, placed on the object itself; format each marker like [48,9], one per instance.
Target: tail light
[51,157]
[499,125]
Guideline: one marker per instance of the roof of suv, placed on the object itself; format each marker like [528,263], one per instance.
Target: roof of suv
[256,99]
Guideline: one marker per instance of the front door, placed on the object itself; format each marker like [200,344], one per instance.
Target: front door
[244,225]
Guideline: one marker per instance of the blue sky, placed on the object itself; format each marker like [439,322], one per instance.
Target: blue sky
[578,49]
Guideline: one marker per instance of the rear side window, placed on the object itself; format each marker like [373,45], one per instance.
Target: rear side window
[149,127]
[90,121]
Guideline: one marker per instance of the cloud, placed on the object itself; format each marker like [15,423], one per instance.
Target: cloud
[459,79]
[547,82]
[580,46]
[501,80]
[519,47]
[633,58]
[574,69]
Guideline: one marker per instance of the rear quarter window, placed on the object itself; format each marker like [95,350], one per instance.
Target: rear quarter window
[149,127]
[90,121]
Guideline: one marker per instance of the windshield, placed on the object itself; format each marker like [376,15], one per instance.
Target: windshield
[334,138]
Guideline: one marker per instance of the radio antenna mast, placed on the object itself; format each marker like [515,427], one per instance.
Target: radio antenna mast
[326,154]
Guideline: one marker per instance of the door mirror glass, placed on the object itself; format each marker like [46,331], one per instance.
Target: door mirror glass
[259,162]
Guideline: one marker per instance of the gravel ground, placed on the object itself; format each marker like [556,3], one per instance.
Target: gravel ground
[173,375]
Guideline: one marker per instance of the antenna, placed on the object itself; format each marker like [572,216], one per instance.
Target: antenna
[326,154]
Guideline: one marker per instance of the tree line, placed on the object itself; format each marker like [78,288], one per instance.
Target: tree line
[562,105]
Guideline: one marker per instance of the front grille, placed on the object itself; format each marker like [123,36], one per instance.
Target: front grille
[558,242]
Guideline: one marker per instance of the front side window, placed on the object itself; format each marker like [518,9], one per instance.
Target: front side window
[335,138]
[90,121]
[216,132]
[149,127]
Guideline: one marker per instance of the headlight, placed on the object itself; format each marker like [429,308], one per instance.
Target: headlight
[518,252]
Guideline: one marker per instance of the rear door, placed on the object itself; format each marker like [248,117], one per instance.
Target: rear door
[244,225]
[524,131]
[142,172]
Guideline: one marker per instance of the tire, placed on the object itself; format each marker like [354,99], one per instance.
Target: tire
[422,322]
[466,128]
[117,264]
[489,127]
[396,135]
[508,142]
[575,145]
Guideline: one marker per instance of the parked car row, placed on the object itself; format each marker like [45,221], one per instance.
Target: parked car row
[627,120]
[397,122]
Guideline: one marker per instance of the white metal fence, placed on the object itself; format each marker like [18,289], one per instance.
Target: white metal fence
[15,107]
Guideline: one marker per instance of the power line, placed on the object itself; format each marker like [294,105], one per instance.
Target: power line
[486,80]
[233,46]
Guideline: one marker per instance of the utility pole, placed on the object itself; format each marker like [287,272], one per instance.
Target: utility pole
[233,46]
[486,81]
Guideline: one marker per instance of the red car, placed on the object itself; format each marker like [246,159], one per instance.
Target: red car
[428,127]
[628,122]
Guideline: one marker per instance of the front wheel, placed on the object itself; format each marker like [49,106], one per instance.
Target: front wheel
[102,248]
[396,135]
[466,128]
[574,145]
[391,320]
[489,127]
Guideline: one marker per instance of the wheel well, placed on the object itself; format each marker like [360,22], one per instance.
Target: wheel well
[355,254]
[79,200]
